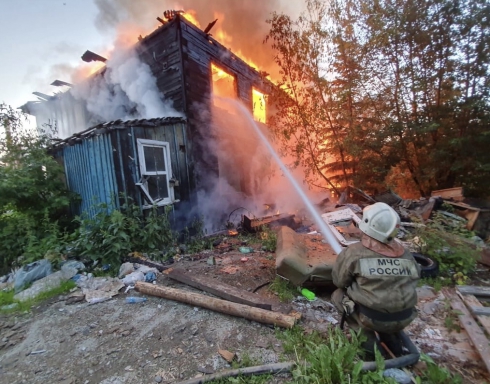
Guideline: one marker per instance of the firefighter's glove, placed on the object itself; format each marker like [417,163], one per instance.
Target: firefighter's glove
[348,306]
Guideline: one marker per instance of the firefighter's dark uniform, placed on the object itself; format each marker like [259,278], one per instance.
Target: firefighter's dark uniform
[378,290]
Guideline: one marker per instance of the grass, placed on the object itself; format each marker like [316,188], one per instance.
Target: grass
[283,288]
[268,238]
[329,359]
[334,359]
[437,283]
[7,297]
[434,374]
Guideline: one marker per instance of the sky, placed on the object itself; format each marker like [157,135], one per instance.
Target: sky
[37,36]
[43,40]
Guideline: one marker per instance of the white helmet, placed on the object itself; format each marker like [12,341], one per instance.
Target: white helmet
[380,222]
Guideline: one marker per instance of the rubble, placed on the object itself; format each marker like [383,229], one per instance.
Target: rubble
[31,272]
[99,289]
[220,272]
[45,284]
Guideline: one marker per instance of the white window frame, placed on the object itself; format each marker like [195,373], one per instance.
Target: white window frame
[143,184]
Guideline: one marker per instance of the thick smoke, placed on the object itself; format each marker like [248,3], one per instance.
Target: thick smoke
[250,181]
[126,90]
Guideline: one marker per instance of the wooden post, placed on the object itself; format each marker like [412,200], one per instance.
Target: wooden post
[223,306]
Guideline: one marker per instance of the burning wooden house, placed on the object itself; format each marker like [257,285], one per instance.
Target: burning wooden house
[166,159]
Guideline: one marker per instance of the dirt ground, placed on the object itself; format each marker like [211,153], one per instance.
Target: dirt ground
[166,341]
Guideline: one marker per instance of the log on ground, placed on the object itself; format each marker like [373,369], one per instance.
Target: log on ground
[223,306]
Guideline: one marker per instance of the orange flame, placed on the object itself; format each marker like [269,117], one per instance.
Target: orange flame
[190,16]
[227,41]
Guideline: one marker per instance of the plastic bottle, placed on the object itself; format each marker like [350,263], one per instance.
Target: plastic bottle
[132,299]
[308,294]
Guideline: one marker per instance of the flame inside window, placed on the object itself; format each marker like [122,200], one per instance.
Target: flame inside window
[224,84]
[259,110]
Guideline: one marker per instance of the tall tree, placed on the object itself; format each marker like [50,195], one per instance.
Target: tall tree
[305,121]
[387,87]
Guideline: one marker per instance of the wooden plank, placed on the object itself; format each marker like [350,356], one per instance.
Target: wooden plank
[247,312]
[449,193]
[472,303]
[219,289]
[475,333]
[480,311]
[474,290]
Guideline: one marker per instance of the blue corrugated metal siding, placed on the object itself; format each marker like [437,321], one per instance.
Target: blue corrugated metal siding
[89,169]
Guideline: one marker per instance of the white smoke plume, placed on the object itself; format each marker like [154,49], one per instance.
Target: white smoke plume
[250,181]
[126,90]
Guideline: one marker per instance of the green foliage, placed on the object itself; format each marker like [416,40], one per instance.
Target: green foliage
[268,238]
[195,237]
[436,283]
[445,240]
[31,181]
[434,374]
[33,196]
[26,239]
[108,237]
[295,341]
[6,297]
[330,360]
[283,288]
[371,88]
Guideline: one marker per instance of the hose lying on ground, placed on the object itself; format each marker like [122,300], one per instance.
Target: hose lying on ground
[398,362]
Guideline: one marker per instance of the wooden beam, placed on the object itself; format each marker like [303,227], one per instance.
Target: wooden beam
[257,314]
[473,303]
[475,333]
[474,290]
[480,310]
[454,193]
[225,291]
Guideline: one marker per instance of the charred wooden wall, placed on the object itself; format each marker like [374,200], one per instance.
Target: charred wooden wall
[161,51]
[199,51]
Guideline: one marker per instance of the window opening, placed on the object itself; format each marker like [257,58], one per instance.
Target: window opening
[224,85]
[156,172]
[259,106]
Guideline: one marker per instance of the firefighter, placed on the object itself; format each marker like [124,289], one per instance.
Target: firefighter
[377,279]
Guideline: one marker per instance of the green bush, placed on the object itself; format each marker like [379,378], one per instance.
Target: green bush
[25,239]
[108,237]
[31,180]
[445,240]
[454,258]
[33,195]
